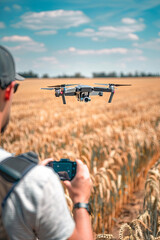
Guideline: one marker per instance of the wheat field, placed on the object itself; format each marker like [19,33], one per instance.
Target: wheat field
[119,141]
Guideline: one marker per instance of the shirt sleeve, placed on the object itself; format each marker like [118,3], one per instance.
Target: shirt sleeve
[54,220]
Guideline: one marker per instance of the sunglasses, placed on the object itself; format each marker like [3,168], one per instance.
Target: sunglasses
[15,87]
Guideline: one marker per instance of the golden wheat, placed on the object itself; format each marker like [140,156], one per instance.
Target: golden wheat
[116,141]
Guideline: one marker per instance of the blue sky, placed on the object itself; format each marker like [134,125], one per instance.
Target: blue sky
[70,36]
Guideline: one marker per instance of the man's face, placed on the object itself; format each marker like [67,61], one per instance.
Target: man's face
[5,107]
[4,126]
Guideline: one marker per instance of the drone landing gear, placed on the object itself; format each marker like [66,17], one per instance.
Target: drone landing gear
[63,99]
[111,96]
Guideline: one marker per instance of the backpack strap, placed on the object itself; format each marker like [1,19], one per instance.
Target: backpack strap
[13,169]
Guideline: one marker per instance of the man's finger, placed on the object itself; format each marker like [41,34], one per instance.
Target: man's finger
[67,184]
[80,166]
[46,161]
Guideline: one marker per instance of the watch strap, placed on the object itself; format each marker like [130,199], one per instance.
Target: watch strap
[87,206]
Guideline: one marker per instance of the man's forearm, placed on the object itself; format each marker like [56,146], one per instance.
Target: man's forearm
[83,223]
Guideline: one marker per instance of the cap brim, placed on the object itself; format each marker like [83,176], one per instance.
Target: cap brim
[19,77]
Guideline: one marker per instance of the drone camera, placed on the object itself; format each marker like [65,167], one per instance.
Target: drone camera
[100,94]
[87,99]
[57,93]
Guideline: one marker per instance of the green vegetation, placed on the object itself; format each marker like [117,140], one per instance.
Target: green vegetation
[31,74]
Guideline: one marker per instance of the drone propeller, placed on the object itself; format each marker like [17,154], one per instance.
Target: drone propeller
[112,84]
[102,84]
[47,88]
[62,85]
[112,88]
[119,85]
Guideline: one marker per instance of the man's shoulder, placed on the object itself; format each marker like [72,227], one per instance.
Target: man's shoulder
[36,173]
[40,175]
[31,187]
[36,178]
[4,154]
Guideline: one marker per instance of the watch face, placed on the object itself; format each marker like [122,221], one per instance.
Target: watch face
[87,206]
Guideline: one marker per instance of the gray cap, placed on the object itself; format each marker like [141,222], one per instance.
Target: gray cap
[7,69]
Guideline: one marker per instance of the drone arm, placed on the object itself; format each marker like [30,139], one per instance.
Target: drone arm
[49,88]
[70,93]
[94,93]
[100,89]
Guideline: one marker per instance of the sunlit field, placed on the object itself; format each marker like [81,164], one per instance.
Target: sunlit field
[119,141]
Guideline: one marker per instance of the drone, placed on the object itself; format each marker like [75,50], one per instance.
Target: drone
[83,92]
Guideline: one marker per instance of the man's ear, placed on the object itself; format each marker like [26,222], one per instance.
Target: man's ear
[8,92]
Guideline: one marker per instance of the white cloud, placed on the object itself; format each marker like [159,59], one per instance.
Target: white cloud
[14,7]
[128,20]
[133,36]
[16,38]
[31,47]
[7,9]
[59,19]
[50,60]
[125,31]
[25,44]
[134,59]
[153,44]
[105,51]
[17,7]
[134,55]
[49,32]
[2,25]
[45,64]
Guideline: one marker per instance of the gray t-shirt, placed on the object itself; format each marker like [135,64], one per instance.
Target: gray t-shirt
[37,208]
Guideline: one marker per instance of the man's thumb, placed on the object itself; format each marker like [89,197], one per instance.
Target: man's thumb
[67,184]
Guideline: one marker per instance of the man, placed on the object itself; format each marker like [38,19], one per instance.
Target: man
[37,208]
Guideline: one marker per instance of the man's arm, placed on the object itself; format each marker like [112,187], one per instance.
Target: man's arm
[80,189]
[83,229]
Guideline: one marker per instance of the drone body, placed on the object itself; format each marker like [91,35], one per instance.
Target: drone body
[83,92]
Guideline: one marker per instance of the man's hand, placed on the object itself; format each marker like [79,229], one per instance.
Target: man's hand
[80,187]
[46,161]
[79,190]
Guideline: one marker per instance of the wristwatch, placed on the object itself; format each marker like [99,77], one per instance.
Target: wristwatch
[87,206]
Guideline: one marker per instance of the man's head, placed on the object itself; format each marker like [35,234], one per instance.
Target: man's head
[8,85]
